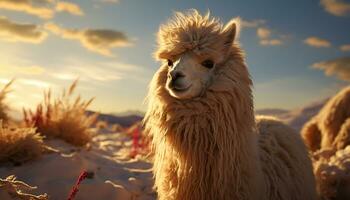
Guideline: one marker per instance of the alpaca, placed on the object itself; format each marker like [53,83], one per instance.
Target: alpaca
[330,128]
[327,135]
[205,140]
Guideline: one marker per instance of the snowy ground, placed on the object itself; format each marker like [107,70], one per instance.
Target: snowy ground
[115,176]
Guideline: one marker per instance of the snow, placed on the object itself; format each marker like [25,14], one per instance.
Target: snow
[115,175]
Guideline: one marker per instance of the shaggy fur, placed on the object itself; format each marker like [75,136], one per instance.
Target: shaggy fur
[11,188]
[327,135]
[3,107]
[208,147]
[330,128]
[332,171]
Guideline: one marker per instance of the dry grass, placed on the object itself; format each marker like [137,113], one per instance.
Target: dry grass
[15,189]
[3,107]
[19,144]
[64,117]
[101,124]
[140,141]
[117,128]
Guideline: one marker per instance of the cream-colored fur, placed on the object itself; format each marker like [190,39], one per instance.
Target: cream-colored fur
[327,136]
[332,171]
[330,128]
[209,146]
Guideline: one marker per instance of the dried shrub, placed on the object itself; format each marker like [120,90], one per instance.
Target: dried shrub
[64,117]
[117,128]
[3,107]
[140,141]
[19,190]
[19,144]
[101,124]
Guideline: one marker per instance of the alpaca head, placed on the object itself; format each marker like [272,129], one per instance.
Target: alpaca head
[193,48]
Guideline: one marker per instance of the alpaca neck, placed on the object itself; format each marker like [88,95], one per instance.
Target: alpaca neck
[214,151]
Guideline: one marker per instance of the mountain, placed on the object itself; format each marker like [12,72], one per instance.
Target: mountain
[300,116]
[295,118]
[129,112]
[275,112]
[123,120]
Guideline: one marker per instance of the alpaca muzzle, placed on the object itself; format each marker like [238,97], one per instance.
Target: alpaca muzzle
[177,81]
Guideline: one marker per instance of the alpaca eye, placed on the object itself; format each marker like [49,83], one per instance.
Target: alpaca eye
[208,64]
[170,63]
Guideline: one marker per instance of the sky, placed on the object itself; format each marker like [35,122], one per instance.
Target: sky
[297,51]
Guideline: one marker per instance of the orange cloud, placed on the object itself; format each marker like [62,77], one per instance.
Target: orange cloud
[41,8]
[336,7]
[38,8]
[74,9]
[273,42]
[29,70]
[317,42]
[264,34]
[13,32]
[345,47]
[35,83]
[110,1]
[97,40]
[339,67]
[252,23]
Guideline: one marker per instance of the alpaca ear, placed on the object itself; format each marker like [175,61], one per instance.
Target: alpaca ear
[231,31]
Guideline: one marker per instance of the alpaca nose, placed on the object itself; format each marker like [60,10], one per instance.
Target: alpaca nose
[174,75]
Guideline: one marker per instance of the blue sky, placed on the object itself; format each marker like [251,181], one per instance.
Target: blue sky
[282,41]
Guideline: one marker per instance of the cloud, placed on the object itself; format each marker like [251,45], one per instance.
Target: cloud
[252,23]
[339,67]
[74,9]
[38,8]
[336,7]
[265,36]
[4,81]
[29,70]
[90,73]
[97,40]
[97,72]
[317,42]
[110,1]
[263,33]
[13,32]
[273,42]
[345,47]
[41,8]
[27,92]
[35,83]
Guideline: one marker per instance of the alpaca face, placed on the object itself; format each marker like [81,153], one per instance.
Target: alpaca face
[194,48]
[189,75]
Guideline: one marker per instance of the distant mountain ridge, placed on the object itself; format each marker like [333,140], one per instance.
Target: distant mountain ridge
[123,120]
[128,113]
[295,118]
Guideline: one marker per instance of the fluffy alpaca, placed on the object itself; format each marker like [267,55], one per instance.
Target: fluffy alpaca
[330,128]
[204,135]
[327,135]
